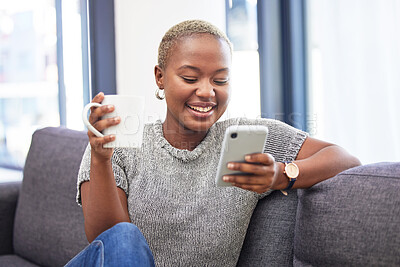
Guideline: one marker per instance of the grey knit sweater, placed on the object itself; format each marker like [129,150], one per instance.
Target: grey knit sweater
[172,197]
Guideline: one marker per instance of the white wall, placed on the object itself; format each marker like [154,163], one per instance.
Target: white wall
[139,27]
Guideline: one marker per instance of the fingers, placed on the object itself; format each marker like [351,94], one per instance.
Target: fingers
[98,112]
[98,142]
[260,169]
[100,124]
[259,164]
[256,169]
[97,99]
[245,179]
[106,123]
[263,158]
[257,184]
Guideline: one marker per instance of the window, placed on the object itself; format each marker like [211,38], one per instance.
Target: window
[330,67]
[41,77]
[73,67]
[28,75]
[242,31]
[354,58]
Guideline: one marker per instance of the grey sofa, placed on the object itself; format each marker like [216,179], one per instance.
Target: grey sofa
[349,220]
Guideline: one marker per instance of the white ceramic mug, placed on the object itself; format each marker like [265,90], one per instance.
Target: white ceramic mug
[129,132]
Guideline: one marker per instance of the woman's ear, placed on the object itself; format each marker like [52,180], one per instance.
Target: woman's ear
[159,76]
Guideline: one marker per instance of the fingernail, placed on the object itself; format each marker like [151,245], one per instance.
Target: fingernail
[117,119]
[230,165]
[109,107]
[247,157]
[225,178]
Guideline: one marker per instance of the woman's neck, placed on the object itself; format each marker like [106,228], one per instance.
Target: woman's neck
[182,138]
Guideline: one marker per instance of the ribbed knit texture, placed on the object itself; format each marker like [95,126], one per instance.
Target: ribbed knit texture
[172,197]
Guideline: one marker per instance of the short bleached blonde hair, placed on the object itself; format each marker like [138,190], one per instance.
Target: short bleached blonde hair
[184,29]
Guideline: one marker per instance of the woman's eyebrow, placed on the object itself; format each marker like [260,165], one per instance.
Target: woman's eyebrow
[223,69]
[189,67]
[198,69]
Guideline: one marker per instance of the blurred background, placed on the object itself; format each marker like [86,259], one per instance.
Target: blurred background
[327,67]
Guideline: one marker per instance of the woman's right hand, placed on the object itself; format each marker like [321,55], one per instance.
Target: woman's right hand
[97,143]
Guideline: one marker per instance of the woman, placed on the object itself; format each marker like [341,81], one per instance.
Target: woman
[167,187]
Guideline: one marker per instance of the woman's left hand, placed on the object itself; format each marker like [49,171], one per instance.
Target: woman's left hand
[262,173]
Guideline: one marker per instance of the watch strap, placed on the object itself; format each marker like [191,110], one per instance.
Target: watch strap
[291,180]
[291,183]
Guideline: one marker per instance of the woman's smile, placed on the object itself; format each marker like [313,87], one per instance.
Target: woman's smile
[201,109]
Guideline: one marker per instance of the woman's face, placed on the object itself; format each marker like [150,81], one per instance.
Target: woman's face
[196,82]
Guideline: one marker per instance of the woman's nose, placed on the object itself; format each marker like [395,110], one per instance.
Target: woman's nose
[205,90]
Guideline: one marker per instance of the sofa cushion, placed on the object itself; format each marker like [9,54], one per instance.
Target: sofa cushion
[15,261]
[269,238]
[351,219]
[8,203]
[49,226]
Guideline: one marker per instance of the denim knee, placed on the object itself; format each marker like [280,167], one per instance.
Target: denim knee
[125,239]
[125,227]
[122,230]
[121,245]
[92,255]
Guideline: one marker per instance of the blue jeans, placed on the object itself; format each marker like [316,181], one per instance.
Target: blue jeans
[121,245]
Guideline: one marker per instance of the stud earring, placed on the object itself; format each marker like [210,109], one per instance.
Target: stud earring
[159,95]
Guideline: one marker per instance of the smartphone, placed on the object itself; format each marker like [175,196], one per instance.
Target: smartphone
[239,140]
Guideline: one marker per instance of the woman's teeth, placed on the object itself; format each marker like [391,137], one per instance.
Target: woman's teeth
[201,109]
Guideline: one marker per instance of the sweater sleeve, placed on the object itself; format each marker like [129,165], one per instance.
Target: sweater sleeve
[283,141]
[118,169]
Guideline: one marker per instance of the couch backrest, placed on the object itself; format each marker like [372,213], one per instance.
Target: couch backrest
[49,225]
[269,238]
[351,220]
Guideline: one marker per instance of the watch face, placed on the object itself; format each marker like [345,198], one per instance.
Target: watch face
[292,170]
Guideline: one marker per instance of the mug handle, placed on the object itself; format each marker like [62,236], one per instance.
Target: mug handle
[86,121]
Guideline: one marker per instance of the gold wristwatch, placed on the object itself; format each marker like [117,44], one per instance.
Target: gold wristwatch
[292,172]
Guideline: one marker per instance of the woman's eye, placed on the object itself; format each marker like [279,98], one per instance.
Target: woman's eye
[189,80]
[221,82]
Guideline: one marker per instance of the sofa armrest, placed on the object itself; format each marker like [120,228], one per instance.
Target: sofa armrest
[8,204]
[351,219]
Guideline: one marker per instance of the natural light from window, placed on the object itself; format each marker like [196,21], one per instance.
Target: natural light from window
[28,75]
[354,63]
[242,31]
